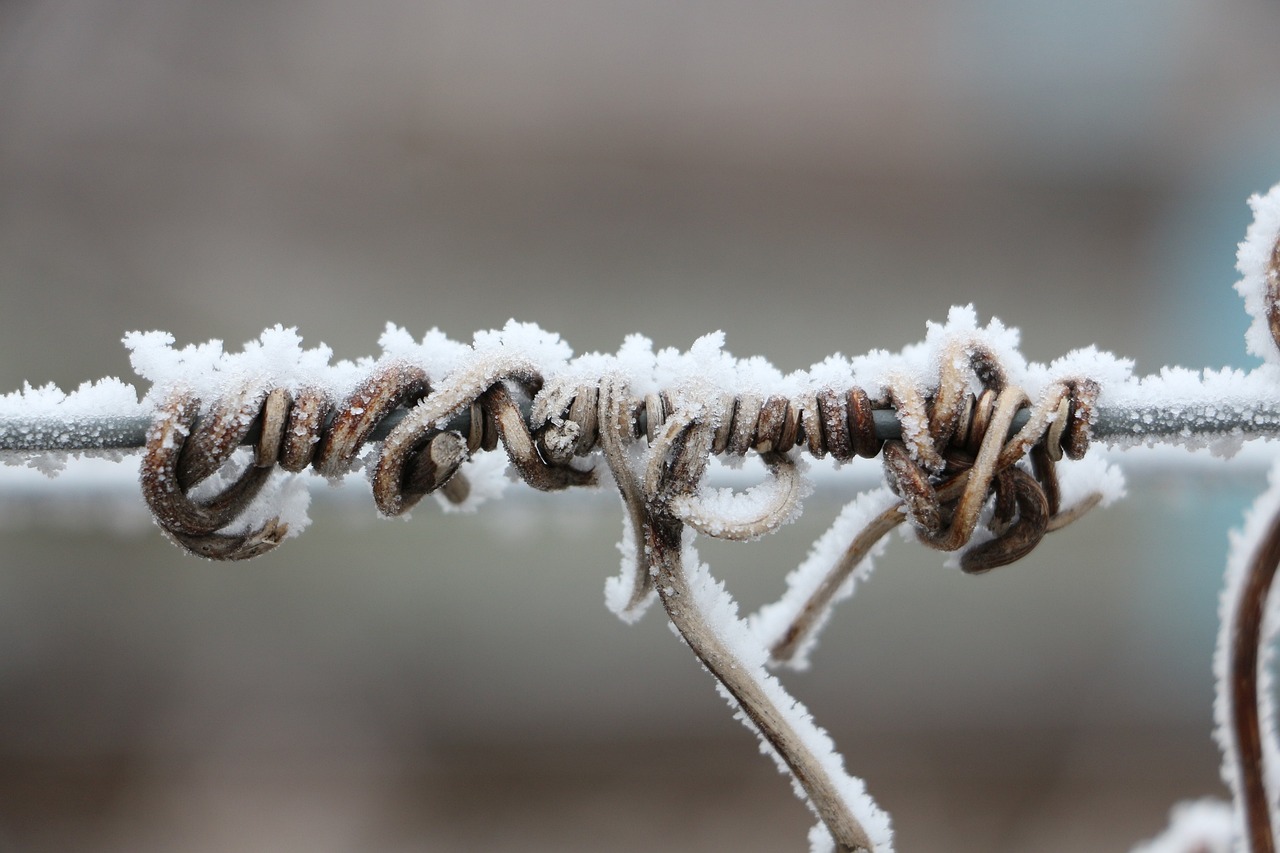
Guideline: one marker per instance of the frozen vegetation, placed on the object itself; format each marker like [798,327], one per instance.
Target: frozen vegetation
[647,421]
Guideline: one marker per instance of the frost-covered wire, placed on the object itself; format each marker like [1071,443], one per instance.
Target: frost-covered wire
[983,455]
[438,404]
[1214,410]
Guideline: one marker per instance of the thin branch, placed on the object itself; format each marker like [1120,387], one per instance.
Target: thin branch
[1246,643]
[663,536]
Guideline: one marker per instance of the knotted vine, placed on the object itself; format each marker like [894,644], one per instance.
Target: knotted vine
[961,473]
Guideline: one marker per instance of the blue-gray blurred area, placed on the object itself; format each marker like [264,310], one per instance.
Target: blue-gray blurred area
[810,178]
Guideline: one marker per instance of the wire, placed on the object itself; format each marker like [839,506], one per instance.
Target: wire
[1174,423]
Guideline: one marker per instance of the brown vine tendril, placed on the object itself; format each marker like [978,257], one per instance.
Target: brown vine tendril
[479,407]
[1271,296]
[193,523]
[1245,652]
[676,459]
[943,500]
[955,459]
[615,422]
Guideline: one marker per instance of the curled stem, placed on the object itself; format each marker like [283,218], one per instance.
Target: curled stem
[677,459]
[615,427]
[783,502]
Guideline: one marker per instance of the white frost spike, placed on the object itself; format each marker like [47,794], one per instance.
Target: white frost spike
[486,475]
[1253,259]
[1243,546]
[1079,479]
[771,622]
[820,840]
[1199,826]
[629,593]
[619,590]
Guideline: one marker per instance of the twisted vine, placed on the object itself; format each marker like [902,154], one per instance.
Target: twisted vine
[958,468]
[958,472]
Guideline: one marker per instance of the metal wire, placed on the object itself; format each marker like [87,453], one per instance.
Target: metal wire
[1171,422]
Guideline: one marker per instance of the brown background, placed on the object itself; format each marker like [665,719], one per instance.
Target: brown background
[809,177]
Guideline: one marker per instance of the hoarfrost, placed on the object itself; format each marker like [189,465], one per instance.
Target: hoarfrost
[1253,259]
[487,478]
[770,623]
[1243,544]
[48,417]
[721,613]
[105,398]
[618,588]
[1198,826]
[750,514]
[1091,475]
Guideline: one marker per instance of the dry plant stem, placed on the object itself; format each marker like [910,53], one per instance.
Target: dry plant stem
[1059,520]
[1273,293]
[677,459]
[502,418]
[1022,536]
[372,400]
[663,535]
[1044,414]
[514,432]
[1246,645]
[437,466]
[216,435]
[806,620]
[919,497]
[193,524]
[275,414]
[223,546]
[308,412]
[614,422]
[162,486]
[965,517]
[909,397]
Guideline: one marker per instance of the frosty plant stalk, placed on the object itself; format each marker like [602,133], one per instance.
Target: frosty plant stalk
[983,453]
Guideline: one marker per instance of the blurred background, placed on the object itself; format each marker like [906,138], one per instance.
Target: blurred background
[810,178]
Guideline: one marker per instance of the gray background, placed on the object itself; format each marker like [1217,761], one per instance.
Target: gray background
[809,177]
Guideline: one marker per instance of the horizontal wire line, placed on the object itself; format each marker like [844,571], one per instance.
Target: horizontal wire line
[1166,423]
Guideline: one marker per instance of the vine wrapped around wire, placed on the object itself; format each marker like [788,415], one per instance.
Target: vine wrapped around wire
[969,435]
[963,477]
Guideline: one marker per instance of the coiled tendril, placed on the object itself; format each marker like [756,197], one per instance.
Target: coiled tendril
[944,471]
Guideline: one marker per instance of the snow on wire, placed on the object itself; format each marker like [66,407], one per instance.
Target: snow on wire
[984,454]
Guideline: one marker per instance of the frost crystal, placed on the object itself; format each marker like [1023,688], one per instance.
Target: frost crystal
[1200,826]
[47,417]
[1253,259]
